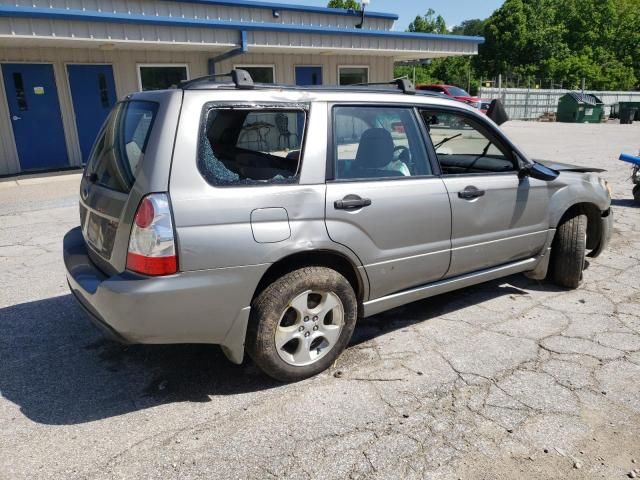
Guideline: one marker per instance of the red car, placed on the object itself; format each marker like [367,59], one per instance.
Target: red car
[453,92]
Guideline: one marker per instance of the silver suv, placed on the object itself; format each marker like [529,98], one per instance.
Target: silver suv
[270,218]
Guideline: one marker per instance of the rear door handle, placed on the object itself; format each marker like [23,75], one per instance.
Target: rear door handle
[351,202]
[470,192]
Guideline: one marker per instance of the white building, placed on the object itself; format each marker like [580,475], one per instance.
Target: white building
[66,62]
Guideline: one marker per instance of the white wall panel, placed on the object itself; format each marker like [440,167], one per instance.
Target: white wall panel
[125,63]
[218,12]
[226,39]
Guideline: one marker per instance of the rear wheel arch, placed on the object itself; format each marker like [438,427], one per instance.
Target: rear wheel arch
[316,258]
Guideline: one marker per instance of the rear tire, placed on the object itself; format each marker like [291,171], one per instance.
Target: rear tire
[568,251]
[301,323]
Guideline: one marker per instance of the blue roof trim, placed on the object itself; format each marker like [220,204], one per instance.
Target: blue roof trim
[292,8]
[103,17]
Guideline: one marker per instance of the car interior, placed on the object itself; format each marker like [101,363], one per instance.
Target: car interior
[377,143]
[245,146]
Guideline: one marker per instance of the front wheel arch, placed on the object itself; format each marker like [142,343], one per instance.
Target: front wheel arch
[594,223]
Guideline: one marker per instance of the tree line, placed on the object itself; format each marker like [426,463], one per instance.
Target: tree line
[541,43]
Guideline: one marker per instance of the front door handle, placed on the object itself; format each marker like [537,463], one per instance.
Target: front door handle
[351,202]
[470,192]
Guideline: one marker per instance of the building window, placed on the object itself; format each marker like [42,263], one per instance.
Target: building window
[260,73]
[160,77]
[352,75]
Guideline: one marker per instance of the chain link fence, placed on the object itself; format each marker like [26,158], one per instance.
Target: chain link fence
[536,104]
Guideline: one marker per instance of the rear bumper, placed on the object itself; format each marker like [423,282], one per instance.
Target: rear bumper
[208,306]
[606,230]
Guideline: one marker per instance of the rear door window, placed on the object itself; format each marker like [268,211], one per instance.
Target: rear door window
[121,145]
[251,146]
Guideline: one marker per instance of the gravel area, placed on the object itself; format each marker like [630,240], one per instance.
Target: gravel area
[510,379]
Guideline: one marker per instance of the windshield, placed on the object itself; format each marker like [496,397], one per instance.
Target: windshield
[431,88]
[458,92]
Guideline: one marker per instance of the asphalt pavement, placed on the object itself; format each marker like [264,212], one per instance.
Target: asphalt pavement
[510,379]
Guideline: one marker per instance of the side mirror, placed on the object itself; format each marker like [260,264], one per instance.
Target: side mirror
[539,172]
[497,113]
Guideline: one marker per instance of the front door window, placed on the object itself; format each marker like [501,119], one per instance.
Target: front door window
[464,146]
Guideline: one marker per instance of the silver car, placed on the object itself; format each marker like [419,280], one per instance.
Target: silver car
[268,219]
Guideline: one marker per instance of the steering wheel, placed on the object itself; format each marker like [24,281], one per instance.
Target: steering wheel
[404,155]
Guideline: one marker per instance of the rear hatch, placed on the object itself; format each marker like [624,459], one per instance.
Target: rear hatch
[120,171]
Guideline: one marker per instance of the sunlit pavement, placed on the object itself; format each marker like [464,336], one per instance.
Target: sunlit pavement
[510,379]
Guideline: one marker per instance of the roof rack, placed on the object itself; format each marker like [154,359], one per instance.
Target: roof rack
[403,84]
[240,78]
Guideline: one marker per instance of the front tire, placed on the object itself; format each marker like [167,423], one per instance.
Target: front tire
[568,251]
[301,323]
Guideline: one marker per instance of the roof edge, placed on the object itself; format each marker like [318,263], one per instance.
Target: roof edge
[292,7]
[103,17]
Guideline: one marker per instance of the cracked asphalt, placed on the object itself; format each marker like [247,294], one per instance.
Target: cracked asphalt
[510,379]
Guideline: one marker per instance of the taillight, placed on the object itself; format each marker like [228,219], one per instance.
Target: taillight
[152,246]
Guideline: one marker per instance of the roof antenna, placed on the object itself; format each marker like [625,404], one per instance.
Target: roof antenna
[364,3]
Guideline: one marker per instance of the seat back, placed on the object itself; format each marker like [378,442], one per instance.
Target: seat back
[375,150]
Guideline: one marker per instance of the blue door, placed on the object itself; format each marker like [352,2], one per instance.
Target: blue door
[308,76]
[93,93]
[35,115]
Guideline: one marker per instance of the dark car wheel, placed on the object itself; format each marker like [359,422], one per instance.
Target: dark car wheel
[568,251]
[301,323]
[636,193]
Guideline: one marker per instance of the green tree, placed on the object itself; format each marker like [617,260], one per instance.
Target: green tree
[627,36]
[566,40]
[346,4]
[529,41]
[520,35]
[428,23]
[451,70]
[471,28]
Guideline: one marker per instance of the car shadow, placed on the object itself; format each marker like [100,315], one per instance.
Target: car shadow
[60,370]
[626,202]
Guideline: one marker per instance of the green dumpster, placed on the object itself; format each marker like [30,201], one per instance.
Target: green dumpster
[629,111]
[576,107]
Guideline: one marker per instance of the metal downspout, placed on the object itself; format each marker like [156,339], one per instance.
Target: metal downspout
[243,48]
